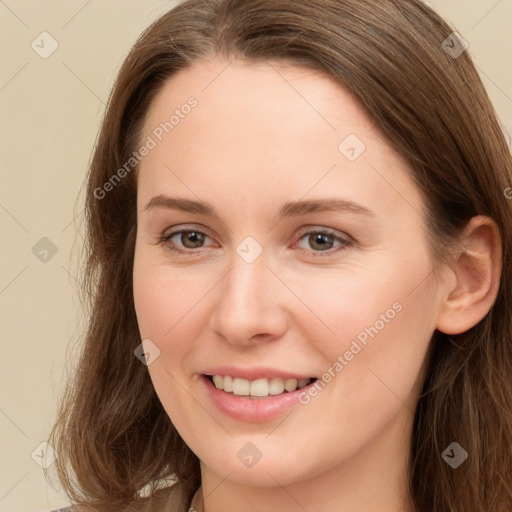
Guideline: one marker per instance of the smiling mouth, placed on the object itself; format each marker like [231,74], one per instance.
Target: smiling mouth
[259,388]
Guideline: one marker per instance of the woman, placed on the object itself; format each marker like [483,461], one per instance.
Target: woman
[299,269]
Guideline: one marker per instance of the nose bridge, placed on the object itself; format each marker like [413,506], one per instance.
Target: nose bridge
[247,302]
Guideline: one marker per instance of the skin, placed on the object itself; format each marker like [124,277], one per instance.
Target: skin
[263,134]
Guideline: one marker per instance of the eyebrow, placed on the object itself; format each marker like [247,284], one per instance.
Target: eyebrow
[289,209]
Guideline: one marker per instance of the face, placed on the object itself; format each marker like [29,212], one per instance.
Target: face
[306,259]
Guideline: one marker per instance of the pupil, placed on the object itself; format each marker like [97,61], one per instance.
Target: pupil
[194,237]
[321,239]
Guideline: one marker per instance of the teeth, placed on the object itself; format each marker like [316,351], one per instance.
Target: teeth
[291,384]
[228,384]
[302,382]
[259,387]
[218,381]
[241,386]
[276,386]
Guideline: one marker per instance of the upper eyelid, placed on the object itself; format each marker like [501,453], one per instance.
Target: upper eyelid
[180,229]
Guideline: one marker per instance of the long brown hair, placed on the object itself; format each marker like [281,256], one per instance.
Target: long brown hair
[112,434]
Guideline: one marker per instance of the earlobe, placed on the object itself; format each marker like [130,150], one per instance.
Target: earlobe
[477,270]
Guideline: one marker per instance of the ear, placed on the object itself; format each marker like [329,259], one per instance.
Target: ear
[476,272]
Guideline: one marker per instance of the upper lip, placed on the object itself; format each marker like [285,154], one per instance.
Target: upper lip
[254,373]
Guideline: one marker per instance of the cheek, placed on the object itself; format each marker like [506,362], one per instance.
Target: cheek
[164,307]
[374,374]
[347,304]
[161,306]
[161,298]
[380,333]
[154,304]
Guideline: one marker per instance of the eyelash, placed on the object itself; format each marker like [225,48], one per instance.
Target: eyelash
[345,242]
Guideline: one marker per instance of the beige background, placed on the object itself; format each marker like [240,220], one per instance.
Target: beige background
[50,110]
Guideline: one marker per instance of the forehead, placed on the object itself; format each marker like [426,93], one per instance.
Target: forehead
[241,91]
[259,127]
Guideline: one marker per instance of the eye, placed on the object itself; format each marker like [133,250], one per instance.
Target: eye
[190,238]
[324,240]
[320,240]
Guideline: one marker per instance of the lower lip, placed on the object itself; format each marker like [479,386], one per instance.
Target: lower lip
[252,410]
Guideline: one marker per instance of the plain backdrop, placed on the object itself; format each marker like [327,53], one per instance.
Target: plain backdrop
[50,110]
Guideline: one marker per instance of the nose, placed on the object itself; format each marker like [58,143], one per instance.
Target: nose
[249,303]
